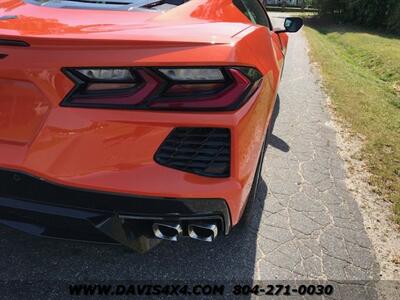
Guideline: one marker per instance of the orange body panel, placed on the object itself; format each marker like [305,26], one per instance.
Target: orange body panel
[112,150]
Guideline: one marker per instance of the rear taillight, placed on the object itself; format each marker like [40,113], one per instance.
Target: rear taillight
[188,88]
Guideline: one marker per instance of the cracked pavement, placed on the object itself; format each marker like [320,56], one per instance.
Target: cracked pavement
[311,227]
[303,225]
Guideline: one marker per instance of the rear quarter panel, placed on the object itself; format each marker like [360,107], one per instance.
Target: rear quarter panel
[251,131]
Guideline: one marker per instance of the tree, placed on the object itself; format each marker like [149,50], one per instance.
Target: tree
[393,21]
[308,3]
[330,7]
[370,13]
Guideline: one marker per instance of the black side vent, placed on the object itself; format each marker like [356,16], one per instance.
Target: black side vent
[13,43]
[203,151]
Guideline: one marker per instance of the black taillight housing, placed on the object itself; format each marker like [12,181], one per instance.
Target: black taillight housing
[164,88]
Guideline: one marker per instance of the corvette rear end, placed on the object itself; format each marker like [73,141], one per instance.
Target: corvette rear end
[132,121]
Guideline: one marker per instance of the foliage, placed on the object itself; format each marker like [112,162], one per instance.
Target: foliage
[308,3]
[393,22]
[372,13]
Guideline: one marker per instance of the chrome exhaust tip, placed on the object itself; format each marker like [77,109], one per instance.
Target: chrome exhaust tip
[203,232]
[167,231]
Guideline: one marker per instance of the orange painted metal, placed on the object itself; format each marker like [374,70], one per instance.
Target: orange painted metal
[112,150]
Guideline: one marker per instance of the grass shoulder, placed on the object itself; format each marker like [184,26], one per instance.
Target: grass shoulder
[361,72]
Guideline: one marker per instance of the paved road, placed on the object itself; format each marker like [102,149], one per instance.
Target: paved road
[304,223]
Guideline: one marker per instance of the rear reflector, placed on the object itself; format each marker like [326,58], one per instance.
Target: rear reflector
[181,89]
[108,86]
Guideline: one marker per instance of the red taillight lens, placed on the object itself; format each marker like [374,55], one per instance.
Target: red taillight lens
[163,89]
[188,89]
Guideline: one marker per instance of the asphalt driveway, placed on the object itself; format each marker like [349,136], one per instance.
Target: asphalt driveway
[304,223]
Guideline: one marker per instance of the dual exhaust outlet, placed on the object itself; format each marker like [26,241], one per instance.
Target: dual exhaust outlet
[206,232]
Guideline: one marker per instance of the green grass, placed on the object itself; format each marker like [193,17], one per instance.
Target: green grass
[361,72]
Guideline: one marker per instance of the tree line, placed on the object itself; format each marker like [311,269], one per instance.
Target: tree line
[382,14]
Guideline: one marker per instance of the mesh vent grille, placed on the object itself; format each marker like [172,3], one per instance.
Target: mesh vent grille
[203,151]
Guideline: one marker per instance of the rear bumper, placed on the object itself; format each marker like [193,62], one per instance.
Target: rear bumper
[114,150]
[42,208]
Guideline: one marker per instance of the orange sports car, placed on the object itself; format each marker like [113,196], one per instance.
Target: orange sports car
[134,121]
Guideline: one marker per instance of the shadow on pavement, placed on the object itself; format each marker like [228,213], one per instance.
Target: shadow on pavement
[274,140]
